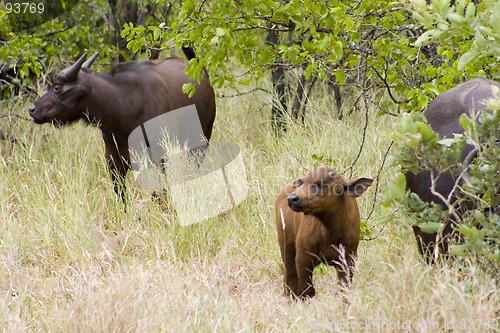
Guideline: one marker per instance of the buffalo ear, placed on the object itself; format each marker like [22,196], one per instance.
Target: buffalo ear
[298,183]
[356,188]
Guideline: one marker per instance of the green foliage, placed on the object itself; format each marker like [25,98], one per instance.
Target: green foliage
[450,24]
[23,15]
[134,36]
[369,44]
[33,51]
[422,149]
[90,26]
[461,42]
[362,42]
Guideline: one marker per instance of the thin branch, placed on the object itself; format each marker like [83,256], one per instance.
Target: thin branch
[378,180]
[385,110]
[451,208]
[201,7]
[381,229]
[68,26]
[455,186]
[350,168]
[384,81]
[245,93]
[253,27]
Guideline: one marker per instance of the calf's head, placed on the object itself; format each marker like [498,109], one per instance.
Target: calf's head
[322,190]
[62,102]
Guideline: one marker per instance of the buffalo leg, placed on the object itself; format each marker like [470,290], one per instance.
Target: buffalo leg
[116,164]
[305,264]
[291,278]
[427,242]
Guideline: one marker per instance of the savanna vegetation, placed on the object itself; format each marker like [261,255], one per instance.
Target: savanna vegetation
[300,84]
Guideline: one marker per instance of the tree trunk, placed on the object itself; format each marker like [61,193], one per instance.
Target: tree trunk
[332,83]
[122,12]
[279,107]
[298,99]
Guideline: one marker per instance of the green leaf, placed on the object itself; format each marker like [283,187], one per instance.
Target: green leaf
[495,18]
[458,250]
[130,44]
[189,89]
[214,40]
[427,37]
[220,32]
[309,70]
[156,33]
[467,58]
[470,12]
[471,233]
[466,122]
[456,18]
[340,77]
[396,190]
[137,46]
[446,142]
[338,49]
[321,269]
[430,227]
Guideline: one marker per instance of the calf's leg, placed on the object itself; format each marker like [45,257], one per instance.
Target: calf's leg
[291,278]
[305,264]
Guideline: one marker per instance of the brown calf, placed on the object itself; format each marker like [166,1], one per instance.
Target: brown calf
[317,220]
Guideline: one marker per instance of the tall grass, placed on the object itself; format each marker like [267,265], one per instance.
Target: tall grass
[73,260]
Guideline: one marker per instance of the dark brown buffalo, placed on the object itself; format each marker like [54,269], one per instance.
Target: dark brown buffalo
[121,101]
[317,220]
[443,116]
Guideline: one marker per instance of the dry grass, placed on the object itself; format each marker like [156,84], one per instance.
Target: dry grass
[72,260]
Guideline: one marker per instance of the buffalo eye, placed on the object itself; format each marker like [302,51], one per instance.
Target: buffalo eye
[321,184]
[318,188]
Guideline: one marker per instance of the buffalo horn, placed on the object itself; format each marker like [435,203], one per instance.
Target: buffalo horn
[71,73]
[90,61]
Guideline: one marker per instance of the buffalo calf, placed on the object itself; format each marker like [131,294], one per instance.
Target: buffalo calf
[317,220]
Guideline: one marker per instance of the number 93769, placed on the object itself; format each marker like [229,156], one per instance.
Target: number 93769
[24,7]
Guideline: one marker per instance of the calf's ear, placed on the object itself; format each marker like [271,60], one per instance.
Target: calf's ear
[298,183]
[355,188]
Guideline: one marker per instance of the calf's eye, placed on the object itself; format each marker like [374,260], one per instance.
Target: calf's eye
[320,185]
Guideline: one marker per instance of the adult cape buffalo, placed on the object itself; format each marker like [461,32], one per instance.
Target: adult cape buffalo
[121,101]
[443,116]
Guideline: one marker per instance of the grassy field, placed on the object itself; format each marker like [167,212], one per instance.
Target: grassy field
[72,260]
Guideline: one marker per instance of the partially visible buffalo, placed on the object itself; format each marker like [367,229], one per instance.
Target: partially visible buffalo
[120,102]
[443,115]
